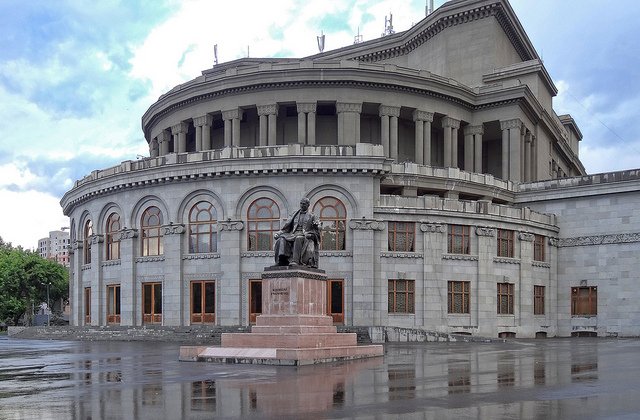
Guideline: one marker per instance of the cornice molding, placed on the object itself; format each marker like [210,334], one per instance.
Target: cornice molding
[608,239]
[441,23]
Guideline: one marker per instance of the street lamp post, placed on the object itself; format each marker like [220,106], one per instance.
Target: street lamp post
[48,307]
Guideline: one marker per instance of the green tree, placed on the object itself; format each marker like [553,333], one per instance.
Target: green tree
[24,277]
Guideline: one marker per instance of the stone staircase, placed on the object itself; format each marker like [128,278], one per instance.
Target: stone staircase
[211,335]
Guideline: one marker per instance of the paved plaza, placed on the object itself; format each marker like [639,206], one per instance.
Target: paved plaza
[580,378]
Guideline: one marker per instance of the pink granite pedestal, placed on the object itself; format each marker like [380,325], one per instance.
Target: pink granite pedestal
[293,328]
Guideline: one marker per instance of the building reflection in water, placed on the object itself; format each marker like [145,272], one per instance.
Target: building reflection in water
[438,378]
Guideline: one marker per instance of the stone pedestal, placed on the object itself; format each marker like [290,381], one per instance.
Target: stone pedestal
[293,328]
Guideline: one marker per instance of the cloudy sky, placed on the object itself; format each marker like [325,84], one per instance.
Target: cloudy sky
[77,75]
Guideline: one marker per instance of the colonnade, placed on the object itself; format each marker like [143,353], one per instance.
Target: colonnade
[518,145]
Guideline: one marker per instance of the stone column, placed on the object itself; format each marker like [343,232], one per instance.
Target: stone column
[450,127]
[468,149]
[389,129]
[527,157]
[534,159]
[483,292]
[348,123]
[153,148]
[268,120]
[128,287]
[423,121]
[230,241]
[76,297]
[172,287]
[306,113]
[473,148]
[478,146]
[98,303]
[384,133]
[203,132]
[434,281]
[311,126]
[368,302]
[232,127]
[164,138]
[511,149]
[523,296]
[179,132]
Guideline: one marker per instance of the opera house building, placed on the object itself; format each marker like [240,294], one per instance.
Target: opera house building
[452,197]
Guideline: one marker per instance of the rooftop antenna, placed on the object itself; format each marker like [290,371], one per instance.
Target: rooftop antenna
[429,8]
[388,26]
[358,38]
[247,51]
[215,54]
[321,41]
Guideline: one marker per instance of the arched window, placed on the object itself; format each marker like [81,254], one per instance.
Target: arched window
[203,229]
[88,231]
[113,241]
[263,219]
[333,216]
[151,239]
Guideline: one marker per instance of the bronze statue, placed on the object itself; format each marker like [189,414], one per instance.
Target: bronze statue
[298,242]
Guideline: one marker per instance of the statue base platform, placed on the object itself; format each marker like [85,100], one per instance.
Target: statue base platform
[293,329]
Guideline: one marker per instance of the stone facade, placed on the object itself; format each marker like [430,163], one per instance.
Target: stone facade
[416,161]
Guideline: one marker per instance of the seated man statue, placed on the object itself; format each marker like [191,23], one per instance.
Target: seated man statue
[298,242]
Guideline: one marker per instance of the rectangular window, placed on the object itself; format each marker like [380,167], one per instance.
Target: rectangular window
[152,303]
[538,248]
[203,302]
[538,300]
[584,300]
[87,305]
[401,236]
[401,296]
[458,297]
[505,298]
[458,242]
[113,304]
[505,243]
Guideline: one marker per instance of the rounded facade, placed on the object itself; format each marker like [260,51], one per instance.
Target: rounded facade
[414,176]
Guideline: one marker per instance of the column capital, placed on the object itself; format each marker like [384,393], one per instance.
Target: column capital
[173,229]
[96,238]
[473,129]
[268,109]
[508,124]
[419,115]
[390,111]
[306,107]
[528,138]
[232,114]
[485,231]
[526,236]
[125,233]
[230,225]
[450,122]
[204,120]
[366,224]
[428,227]
[181,127]
[348,107]
[164,135]
[153,144]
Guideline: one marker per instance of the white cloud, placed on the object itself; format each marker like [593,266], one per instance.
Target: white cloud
[28,217]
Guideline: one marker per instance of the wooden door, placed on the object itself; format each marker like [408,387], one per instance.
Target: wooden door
[335,300]
[255,300]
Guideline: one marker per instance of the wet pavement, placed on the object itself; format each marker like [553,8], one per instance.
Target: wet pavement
[580,378]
